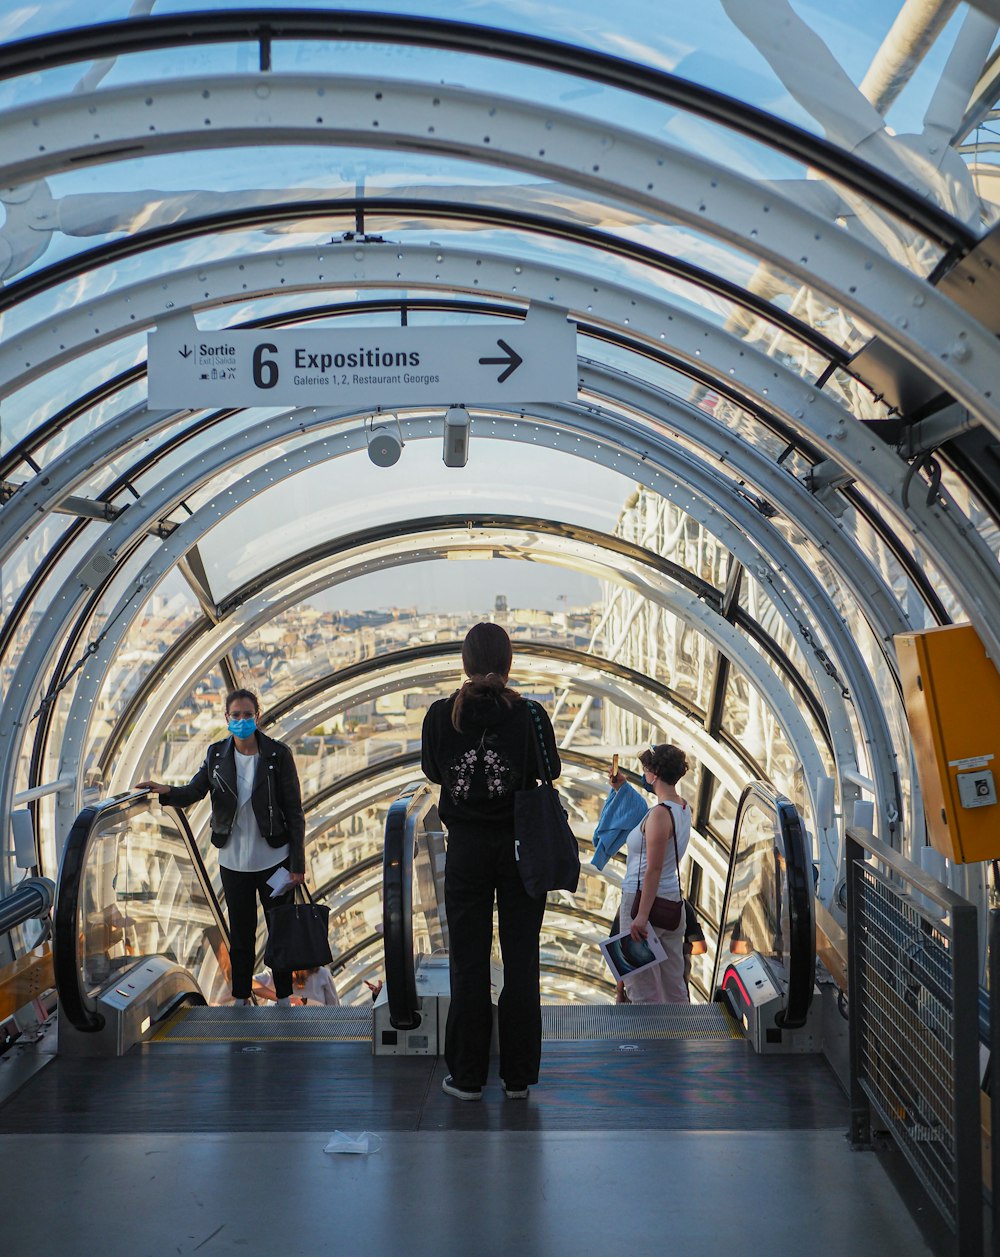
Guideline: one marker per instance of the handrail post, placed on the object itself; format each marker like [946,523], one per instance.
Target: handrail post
[994,1081]
[860,1133]
[965,1066]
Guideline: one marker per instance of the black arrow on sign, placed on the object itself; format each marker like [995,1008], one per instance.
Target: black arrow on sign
[512,361]
[185,352]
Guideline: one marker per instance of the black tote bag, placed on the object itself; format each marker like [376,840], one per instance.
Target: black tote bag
[547,853]
[298,935]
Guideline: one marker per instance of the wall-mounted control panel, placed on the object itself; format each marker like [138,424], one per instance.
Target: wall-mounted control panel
[951,688]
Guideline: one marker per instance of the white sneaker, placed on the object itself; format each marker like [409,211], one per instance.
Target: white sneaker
[461,1093]
[515,1093]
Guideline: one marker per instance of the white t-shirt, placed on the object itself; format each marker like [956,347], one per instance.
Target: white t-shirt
[318,988]
[246,851]
[638,854]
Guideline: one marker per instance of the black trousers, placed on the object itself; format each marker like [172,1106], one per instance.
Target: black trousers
[242,892]
[480,865]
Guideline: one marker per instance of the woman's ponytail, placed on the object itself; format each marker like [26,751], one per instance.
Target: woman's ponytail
[486,657]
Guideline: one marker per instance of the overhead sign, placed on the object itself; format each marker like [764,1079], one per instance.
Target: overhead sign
[364,368]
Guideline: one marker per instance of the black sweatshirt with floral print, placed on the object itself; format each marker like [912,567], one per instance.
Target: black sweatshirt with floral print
[480,768]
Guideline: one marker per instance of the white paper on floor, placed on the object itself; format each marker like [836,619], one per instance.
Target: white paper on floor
[362,1144]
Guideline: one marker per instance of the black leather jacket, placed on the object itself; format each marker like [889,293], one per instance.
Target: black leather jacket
[276,798]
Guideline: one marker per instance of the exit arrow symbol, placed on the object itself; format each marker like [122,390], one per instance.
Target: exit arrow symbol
[512,361]
[185,352]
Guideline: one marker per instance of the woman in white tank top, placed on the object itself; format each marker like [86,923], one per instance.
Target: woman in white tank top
[653,865]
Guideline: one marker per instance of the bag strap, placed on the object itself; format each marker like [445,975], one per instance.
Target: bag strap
[642,849]
[306,893]
[541,754]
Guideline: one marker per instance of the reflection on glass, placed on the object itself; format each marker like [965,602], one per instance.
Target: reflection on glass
[140,897]
[757,918]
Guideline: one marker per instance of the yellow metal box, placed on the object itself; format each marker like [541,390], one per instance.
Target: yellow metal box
[951,688]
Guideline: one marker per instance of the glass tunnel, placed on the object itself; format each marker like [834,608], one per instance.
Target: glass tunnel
[663,336]
[777,451]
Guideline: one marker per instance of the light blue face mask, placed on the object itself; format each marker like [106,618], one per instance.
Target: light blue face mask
[242,728]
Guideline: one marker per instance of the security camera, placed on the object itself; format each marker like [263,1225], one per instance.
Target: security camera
[457,426]
[384,447]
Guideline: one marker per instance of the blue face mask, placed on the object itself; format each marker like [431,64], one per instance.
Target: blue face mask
[242,728]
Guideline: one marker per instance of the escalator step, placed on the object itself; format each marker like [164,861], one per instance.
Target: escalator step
[638,1021]
[234,1024]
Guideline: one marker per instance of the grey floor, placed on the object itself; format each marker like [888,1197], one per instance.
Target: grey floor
[645,1147]
[438,1193]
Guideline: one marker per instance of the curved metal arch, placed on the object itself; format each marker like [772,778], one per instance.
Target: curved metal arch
[21,452]
[369,678]
[382,777]
[315,453]
[381,781]
[70,334]
[791,497]
[628,688]
[146,240]
[554,908]
[113,39]
[699,606]
[709,349]
[643,468]
[935,335]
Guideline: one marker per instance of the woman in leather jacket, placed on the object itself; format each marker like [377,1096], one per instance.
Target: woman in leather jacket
[257,824]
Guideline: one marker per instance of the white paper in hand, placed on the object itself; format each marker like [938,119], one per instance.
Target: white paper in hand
[279,881]
[625,956]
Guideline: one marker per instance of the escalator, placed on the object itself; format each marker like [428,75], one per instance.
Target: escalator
[142,947]
[137,922]
[760,956]
[141,944]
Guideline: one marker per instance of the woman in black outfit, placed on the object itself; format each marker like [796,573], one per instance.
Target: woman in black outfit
[478,746]
[257,824]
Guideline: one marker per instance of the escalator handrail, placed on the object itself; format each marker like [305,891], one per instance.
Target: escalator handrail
[801,917]
[74,1003]
[401,822]
[800,889]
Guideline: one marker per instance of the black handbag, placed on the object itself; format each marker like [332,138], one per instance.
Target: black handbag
[547,853]
[298,934]
[665,914]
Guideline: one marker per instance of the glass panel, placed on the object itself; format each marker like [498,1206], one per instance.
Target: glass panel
[170,611]
[349,494]
[823,72]
[907,593]
[751,724]
[37,402]
[16,573]
[99,623]
[141,896]
[89,420]
[757,917]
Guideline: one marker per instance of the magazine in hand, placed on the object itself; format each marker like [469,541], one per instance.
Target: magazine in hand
[625,956]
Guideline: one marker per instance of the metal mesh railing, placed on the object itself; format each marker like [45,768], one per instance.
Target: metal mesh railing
[914,1026]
